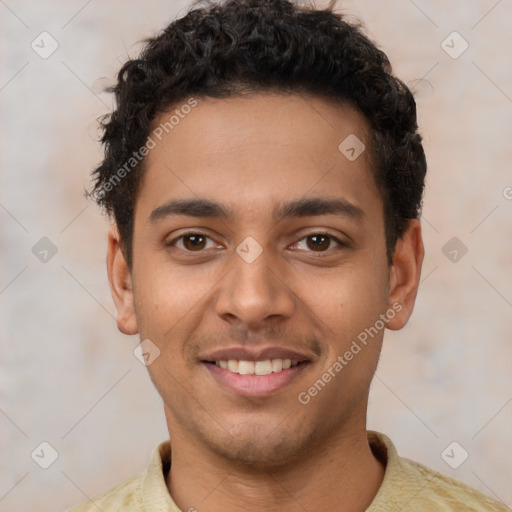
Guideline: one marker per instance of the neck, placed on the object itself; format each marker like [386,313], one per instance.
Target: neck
[343,474]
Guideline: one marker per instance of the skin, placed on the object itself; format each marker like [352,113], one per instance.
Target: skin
[231,452]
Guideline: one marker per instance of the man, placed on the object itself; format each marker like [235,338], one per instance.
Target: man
[264,173]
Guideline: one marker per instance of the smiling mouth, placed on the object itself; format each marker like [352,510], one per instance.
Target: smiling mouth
[265,367]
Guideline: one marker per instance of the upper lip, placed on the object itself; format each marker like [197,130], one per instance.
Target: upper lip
[254,354]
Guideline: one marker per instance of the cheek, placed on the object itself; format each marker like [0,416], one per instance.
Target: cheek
[170,305]
[164,293]
[346,300]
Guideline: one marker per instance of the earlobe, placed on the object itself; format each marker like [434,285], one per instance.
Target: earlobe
[120,280]
[405,274]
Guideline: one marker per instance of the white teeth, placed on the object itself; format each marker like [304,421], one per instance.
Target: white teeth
[246,367]
[265,367]
[277,365]
[233,365]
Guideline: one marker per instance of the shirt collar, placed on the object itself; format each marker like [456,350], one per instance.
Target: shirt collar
[156,497]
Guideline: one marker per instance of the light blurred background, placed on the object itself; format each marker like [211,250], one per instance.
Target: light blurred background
[70,379]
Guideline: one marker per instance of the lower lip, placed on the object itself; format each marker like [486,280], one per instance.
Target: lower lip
[255,385]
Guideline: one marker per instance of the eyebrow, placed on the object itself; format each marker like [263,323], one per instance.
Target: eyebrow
[304,207]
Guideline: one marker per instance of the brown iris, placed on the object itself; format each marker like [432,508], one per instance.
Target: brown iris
[320,242]
[194,242]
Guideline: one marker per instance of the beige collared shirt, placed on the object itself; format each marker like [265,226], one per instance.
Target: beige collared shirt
[407,487]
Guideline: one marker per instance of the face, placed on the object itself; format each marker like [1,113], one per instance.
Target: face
[259,262]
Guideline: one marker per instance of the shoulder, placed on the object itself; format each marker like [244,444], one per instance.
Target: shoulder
[411,486]
[448,493]
[123,497]
[146,487]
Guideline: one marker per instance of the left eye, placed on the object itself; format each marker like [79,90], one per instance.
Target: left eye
[319,242]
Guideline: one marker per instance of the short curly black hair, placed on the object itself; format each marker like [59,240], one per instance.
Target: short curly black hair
[227,48]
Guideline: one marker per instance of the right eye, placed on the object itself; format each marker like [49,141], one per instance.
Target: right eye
[191,241]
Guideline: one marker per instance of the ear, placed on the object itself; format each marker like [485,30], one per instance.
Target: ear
[120,280]
[404,276]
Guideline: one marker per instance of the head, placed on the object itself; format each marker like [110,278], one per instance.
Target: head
[264,174]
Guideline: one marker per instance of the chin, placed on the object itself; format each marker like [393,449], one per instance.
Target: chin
[259,448]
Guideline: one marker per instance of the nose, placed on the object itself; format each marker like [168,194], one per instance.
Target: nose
[254,292]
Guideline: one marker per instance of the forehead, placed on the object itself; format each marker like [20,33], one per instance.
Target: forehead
[250,152]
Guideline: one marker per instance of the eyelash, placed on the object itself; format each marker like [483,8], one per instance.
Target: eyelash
[316,233]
